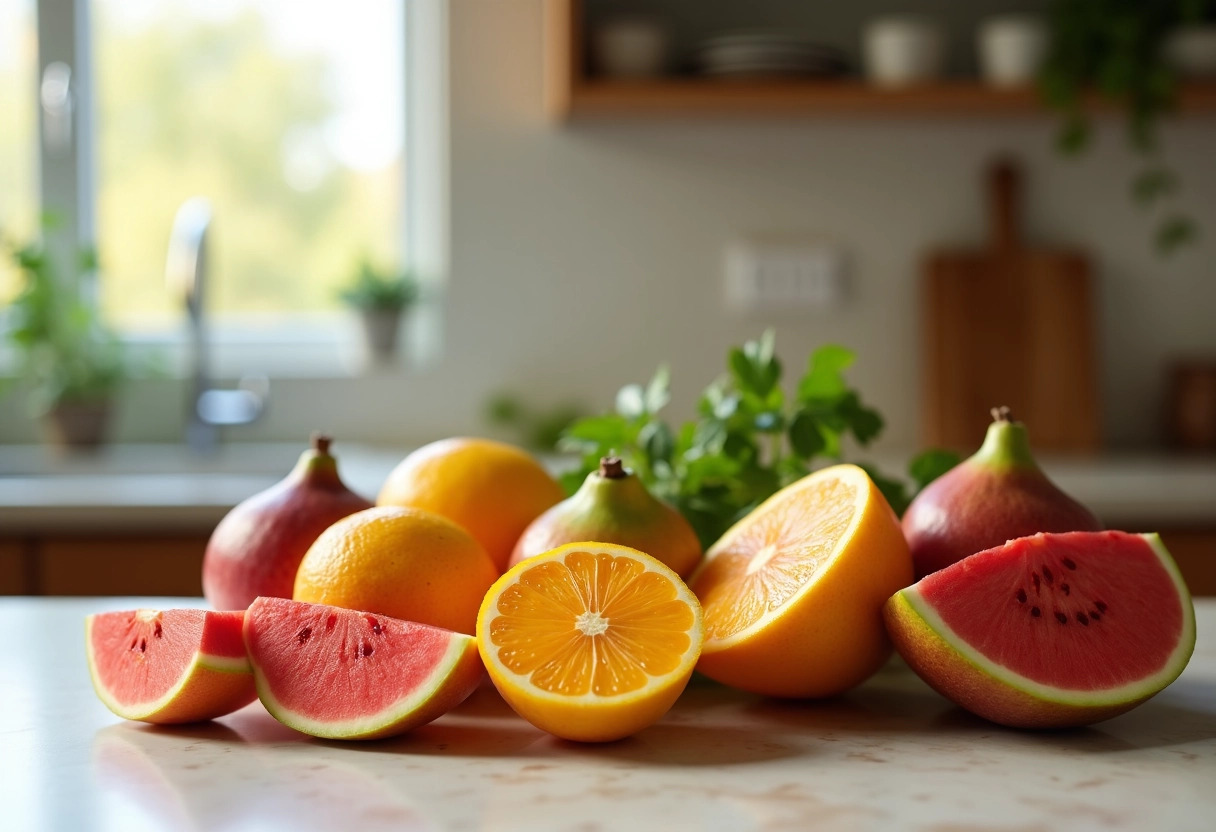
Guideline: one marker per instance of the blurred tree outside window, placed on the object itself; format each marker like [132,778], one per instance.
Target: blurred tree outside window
[18,136]
[288,116]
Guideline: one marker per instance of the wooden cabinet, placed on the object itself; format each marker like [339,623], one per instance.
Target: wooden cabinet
[12,567]
[126,565]
[1195,552]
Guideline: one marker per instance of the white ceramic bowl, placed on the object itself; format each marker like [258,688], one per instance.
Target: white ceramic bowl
[630,47]
[899,51]
[1012,49]
[1191,51]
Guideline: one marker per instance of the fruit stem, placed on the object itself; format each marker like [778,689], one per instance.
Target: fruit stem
[320,442]
[1006,443]
[611,468]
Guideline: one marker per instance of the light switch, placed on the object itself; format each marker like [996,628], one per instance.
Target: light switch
[775,276]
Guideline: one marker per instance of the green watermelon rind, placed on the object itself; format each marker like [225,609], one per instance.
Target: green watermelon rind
[909,604]
[460,666]
[200,661]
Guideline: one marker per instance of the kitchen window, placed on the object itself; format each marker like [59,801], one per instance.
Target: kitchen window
[289,118]
[18,129]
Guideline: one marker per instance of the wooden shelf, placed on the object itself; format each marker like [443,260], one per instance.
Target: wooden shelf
[692,96]
[571,94]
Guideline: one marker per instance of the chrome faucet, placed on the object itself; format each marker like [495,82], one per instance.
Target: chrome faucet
[185,273]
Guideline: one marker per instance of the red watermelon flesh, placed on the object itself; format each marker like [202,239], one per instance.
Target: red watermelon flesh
[344,674]
[1049,630]
[169,666]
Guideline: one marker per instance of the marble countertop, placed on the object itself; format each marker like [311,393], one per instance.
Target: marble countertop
[166,488]
[890,755]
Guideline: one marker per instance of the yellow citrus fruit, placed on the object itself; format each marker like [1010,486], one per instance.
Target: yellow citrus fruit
[400,562]
[490,488]
[793,592]
[590,641]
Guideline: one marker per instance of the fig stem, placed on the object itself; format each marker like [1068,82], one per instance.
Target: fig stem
[320,442]
[611,468]
[1001,414]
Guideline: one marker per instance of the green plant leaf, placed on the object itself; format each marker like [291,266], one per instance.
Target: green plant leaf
[607,433]
[657,441]
[805,438]
[864,422]
[1175,232]
[928,465]
[658,391]
[824,378]
[631,401]
[1153,184]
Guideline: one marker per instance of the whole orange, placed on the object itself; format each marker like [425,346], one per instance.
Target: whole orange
[400,562]
[492,489]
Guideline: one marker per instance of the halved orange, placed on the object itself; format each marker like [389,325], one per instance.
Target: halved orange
[590,641]
[793,592]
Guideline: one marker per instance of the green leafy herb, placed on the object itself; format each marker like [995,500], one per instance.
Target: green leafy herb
[749,439]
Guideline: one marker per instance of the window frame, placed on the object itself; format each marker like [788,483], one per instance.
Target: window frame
[317,344]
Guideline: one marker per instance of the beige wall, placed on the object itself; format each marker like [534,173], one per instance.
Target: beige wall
[583,255]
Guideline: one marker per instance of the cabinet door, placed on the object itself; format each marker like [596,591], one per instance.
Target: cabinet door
[1195,552]
[122,566]
[12,567]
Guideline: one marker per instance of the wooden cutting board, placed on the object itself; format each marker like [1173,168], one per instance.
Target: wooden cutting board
[1010,325]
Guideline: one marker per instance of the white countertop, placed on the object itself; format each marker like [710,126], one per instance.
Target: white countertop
[890,755]
[165,488]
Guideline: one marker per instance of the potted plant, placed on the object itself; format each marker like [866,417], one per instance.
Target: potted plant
[380,297]
[68,359]
[1120,50]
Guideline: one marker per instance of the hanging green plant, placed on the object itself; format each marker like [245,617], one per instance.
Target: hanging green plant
[1116,49]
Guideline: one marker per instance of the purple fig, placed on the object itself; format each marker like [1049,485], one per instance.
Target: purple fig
[996,495]
[257,547]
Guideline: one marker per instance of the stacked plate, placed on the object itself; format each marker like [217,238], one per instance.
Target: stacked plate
[768,55]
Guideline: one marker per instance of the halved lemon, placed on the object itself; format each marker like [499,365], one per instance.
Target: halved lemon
[793,592]
[590,641]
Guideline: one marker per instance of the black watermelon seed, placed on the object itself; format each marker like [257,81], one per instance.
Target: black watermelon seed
[1095,615]
[1047,576]
[1068,562]
[1034,576]
[1065,588]
[1021,596]
[1101,607]
[1035,612]
[1061,617]
[1082,618]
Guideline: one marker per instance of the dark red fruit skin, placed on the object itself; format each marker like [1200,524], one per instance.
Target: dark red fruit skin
[257,548]
[975,506]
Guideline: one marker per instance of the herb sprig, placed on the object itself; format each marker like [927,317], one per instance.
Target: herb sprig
[749,438]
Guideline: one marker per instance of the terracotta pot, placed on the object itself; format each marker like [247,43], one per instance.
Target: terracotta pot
[78,423]
[381,328]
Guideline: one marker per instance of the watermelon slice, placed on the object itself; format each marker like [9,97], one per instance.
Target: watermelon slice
[1049,631]
[169,666]
[343,674]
